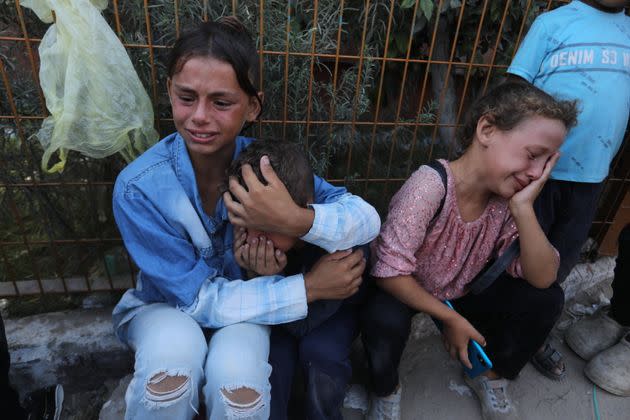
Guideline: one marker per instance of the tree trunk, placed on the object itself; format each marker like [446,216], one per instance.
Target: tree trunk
[447,109]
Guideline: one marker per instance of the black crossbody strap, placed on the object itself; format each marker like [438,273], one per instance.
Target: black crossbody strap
[439,168]
[494,271]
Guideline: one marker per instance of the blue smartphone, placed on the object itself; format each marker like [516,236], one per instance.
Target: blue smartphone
[478,358]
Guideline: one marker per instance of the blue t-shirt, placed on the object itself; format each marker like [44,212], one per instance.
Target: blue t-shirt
[579,52]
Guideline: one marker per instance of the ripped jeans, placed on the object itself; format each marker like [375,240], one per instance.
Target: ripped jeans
[170,346]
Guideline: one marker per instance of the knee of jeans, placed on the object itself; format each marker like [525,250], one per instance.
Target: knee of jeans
[383,351]
[551,301]
[624,237]
[242,402]
[383,365]
[384,312]
[326,389]
[543,306]
[167,387]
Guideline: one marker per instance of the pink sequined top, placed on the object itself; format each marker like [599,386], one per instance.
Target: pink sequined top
[446,254]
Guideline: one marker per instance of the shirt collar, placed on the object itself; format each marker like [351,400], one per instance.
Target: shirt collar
[186,175]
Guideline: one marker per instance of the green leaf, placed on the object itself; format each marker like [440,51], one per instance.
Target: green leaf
[421,22]
[401,42]
[407,4]
[427,8]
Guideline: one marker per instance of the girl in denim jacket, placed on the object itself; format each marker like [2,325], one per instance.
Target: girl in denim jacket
[197,330]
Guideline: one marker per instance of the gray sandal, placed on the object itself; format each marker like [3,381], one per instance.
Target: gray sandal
[549,362]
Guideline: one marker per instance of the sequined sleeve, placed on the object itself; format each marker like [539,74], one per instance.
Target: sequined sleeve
[410,211]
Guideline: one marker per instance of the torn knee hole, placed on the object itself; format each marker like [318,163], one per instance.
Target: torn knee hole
[165,387]
[242,398]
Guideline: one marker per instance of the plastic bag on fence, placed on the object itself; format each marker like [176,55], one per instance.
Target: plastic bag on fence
[97,103]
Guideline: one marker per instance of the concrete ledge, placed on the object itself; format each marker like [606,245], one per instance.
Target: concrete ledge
[76,348]
[67,285]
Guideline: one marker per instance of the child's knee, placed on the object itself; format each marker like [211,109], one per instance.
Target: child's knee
[242,402]
[553,301]
[624,239]
[384,312]
[239,390]
[167,387]
[545,304]
[241,396]
[326,387]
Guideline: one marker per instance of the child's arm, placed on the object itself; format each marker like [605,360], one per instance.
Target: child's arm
[539,259]
[171,264]
[457,330]
[338,220]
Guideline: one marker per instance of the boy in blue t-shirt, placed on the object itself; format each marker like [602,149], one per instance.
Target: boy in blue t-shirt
[578,51]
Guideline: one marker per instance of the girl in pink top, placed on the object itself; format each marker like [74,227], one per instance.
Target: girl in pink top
[422,258]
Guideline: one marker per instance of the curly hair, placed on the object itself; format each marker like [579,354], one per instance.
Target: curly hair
[289,162]
[508,104]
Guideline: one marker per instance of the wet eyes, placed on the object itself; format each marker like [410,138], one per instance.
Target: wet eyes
[222,104]
[219,104]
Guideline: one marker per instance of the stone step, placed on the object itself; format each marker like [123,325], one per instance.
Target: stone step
[79,350]
[75,348]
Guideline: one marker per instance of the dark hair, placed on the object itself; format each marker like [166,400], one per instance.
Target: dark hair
[288,161]
[510,103]
[225,39]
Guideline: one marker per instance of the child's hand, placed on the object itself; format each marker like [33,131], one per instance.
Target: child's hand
[240,237]
[527,195]
[335,276]
[456,333]
[260,257]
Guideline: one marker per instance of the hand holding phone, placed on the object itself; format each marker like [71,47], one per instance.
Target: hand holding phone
[477,357]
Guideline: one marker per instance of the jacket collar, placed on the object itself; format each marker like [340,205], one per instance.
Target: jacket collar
[185,173]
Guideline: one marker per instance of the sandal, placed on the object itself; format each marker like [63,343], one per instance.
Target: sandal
[549,362]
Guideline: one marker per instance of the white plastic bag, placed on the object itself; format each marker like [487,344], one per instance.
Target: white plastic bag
[96,101]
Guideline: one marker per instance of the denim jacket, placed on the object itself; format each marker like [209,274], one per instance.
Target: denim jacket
[185,256]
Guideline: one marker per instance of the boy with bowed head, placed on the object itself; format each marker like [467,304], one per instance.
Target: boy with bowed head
[319,344]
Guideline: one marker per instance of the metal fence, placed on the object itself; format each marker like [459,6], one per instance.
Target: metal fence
[371,89]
